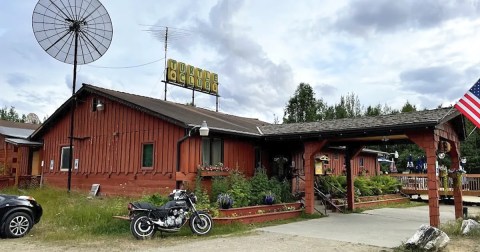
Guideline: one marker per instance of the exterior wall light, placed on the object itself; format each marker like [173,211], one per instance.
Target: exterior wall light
[204,130]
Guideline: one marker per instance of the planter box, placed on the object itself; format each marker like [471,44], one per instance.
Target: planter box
[241,211]
[258,218]
[213,173]
[371,201]
[258,214]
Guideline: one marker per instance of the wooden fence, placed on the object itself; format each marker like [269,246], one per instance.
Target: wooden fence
[416,184]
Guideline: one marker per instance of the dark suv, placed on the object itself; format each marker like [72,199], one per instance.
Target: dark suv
[18,214]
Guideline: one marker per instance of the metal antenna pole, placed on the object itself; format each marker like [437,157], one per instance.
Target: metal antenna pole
[72,116]
[165,70]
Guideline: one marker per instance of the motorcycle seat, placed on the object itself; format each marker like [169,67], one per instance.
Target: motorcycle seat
[145,205]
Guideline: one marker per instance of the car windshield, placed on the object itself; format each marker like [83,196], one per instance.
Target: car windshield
[2,198]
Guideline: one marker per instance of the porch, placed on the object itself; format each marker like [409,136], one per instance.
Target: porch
[417,184]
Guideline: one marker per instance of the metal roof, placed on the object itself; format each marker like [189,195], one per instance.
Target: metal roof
[19,141]
[15,132]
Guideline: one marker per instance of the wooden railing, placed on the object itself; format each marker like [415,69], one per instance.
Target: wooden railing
[416,184]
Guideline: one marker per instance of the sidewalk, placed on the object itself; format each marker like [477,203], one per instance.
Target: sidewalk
[385,227]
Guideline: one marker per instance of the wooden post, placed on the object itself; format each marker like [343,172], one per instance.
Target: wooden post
[457,185]
[310,149]
[428,141]
[351,152]
[19,155]
[5,162]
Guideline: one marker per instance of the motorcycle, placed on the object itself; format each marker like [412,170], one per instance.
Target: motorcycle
[146,219]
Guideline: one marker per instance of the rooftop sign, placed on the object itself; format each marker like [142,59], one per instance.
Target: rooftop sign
[191,77]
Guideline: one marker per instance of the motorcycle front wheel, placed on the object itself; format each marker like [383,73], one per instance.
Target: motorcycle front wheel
[142,227]
[201,223]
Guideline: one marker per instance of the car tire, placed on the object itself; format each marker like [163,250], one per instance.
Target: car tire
[17,225]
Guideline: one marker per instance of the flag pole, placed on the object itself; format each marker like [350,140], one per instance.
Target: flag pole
[448,112]
[471,132]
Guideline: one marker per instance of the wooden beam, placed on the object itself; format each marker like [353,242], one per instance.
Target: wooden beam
[351,152]
[310,149]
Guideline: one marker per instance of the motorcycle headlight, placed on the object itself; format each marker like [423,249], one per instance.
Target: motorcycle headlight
[193,198]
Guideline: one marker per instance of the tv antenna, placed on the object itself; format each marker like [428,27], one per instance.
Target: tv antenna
[74,32]
[166,34]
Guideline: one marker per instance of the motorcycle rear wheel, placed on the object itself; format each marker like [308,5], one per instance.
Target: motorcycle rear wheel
[201,223]
[142,227]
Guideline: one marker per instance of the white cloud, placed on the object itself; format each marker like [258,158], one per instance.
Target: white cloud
[425,52]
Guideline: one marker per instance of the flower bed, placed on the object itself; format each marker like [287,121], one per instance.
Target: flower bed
[371,201]
[257,214]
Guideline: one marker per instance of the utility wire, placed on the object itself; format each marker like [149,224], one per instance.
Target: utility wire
[120,67]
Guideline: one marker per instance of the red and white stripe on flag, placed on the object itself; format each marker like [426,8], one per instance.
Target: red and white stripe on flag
[469,104]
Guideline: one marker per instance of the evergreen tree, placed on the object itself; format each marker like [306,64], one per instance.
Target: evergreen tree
[302,107]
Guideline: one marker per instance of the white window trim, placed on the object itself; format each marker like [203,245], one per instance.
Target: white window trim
[61,158]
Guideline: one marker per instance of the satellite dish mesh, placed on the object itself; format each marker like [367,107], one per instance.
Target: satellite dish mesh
[55,23]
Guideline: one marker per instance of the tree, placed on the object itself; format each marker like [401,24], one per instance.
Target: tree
[373,111]
[302,107]
[408,107]
[11,115]
[471,147]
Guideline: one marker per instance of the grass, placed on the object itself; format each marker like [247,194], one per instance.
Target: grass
[74,216]
[453,228]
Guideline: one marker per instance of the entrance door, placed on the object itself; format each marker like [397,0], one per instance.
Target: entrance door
[36,163]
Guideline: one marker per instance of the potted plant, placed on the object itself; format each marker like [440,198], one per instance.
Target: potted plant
[225,201]
[269,198]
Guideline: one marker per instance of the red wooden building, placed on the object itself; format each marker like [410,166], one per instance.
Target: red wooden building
[131,144]
[18,156]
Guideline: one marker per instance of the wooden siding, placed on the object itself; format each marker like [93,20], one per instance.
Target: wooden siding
[9,157]
[239,155]
[108,145]
[337,160]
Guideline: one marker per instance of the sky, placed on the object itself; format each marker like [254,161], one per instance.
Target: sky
[385,52]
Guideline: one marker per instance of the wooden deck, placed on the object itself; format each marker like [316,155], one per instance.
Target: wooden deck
[416,184]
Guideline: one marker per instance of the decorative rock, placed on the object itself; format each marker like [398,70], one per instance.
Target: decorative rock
[469,225]
[428,238]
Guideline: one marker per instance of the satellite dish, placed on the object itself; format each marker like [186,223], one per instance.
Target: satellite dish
[74,32]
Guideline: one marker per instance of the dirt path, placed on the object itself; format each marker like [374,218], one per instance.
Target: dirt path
[253,241]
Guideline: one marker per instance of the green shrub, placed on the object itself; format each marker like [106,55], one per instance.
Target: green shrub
[387,184]
[260,185]
[364,185]
[155,199]
[240,189]
[219,185]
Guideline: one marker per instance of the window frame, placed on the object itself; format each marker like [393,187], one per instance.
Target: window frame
[361,161]
[61,158]
[142,155]
[211,141]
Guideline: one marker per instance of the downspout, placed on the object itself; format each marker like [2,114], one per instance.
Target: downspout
[179,142]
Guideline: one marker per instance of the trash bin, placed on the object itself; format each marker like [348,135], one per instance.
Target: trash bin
[465,212]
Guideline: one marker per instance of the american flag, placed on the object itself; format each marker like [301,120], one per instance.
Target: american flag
[469,104]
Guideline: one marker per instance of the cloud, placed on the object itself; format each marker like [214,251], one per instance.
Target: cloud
[251,84]
[433,80]
[370,16]
[17,79]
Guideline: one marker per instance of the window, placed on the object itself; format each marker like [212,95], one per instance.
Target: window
[335,155]
[15,148]
[147,155]
[212,151]
[65,158]
[361,161]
